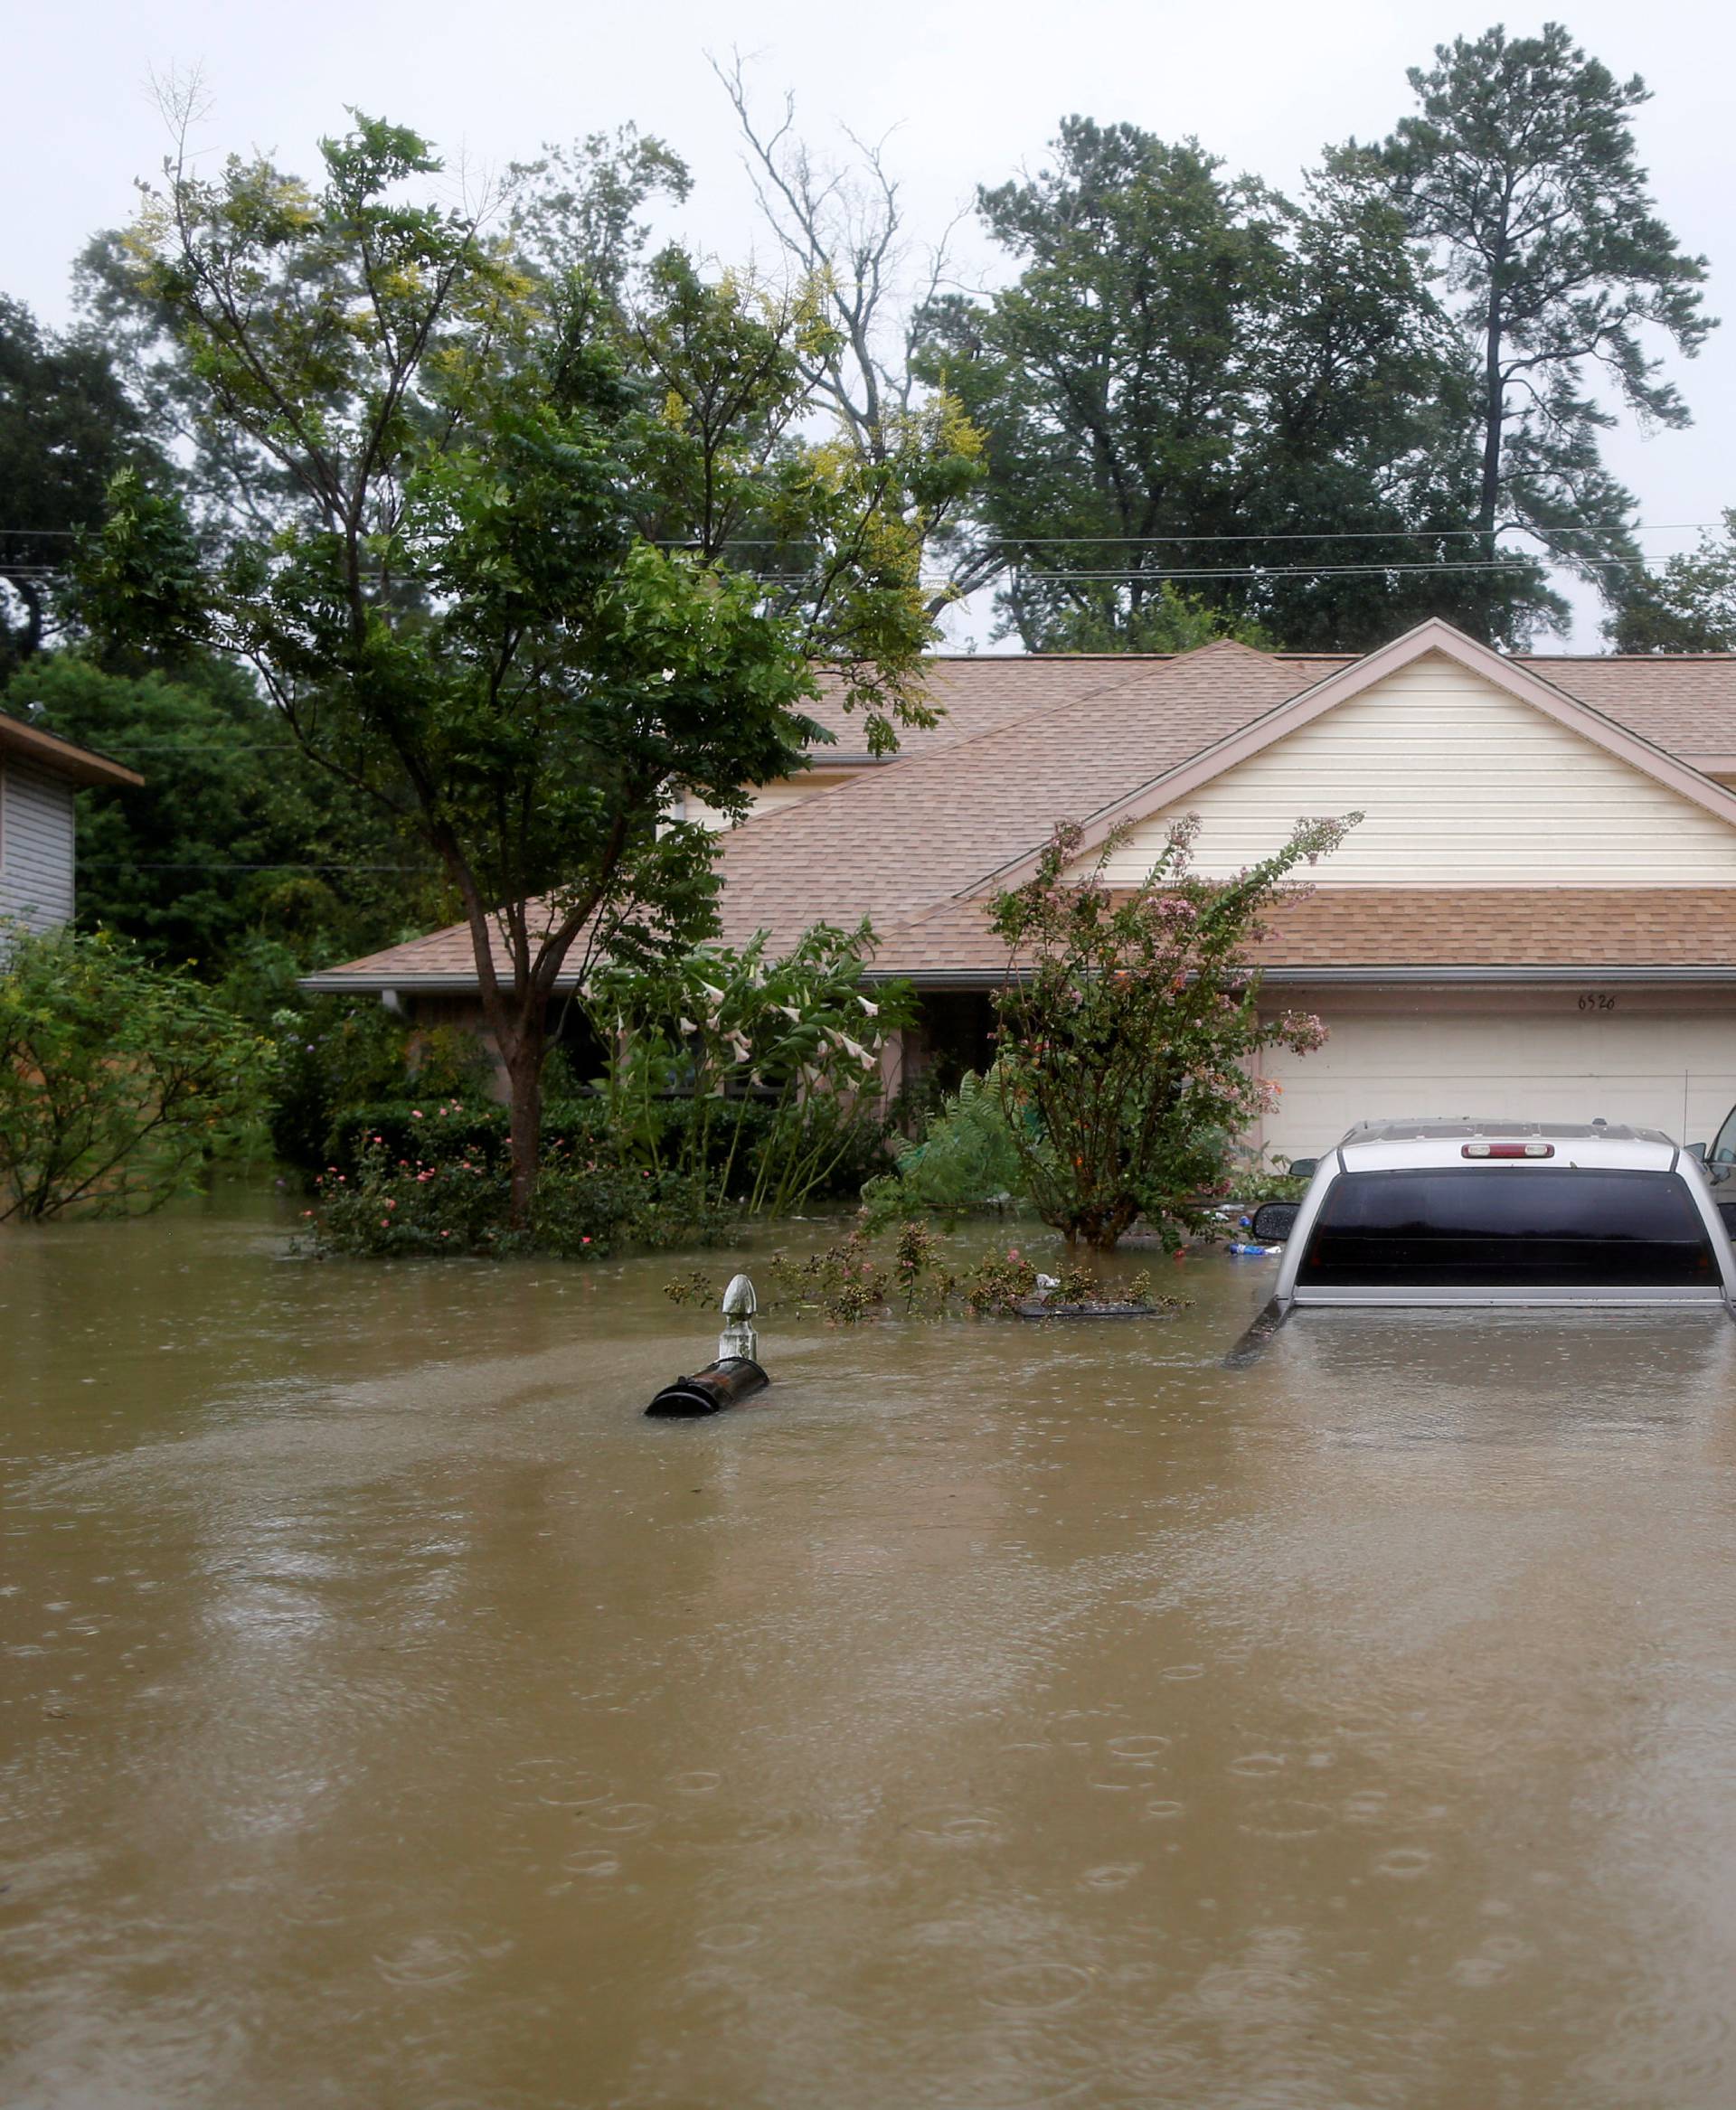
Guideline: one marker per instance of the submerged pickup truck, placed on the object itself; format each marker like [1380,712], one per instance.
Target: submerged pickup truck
[1719,1156]
[1499,1212]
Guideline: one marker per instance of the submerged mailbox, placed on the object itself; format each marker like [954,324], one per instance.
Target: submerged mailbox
[736,1374]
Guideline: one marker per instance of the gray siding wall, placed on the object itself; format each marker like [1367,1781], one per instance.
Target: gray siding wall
[36,846]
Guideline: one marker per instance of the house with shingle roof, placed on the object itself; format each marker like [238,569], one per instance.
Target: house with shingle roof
[1536,914]
[39,774]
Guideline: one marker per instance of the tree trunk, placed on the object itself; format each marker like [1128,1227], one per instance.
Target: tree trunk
[1493,404]
[524,1053]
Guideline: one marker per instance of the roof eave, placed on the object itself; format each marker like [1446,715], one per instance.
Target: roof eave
[1294,975]
[61,758]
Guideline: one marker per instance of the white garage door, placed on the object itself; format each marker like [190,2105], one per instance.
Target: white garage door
[1677,1073]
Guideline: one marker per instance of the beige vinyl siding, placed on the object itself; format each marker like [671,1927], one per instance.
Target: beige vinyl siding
[36,846]
[770,798]
[1461,784]
[1653,1060]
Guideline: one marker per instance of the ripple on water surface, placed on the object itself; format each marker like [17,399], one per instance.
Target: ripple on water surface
[547,1756]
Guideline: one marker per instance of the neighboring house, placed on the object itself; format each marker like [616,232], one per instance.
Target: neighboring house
[39,773]
[1537,915]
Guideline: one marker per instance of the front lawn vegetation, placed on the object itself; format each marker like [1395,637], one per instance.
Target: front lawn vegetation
[119,1081]
[1130,1028]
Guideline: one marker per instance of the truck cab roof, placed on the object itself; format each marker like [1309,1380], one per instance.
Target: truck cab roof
[1440,1140]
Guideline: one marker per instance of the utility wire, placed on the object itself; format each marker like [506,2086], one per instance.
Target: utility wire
[1393,534]
[1320,571]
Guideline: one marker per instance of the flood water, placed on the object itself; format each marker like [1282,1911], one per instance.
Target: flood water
[987,1715]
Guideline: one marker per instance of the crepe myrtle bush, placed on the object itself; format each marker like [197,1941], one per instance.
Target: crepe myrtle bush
[1130,1027]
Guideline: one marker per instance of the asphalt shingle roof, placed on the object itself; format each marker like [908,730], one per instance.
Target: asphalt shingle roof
[1027,742]
[1406,927]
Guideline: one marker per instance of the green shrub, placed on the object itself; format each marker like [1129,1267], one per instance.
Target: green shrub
[438,1128]
[118,1080]
[965,1161]
[338,1056]
[758,1074]
[458,1202]
[435,1130]
[1130,1025]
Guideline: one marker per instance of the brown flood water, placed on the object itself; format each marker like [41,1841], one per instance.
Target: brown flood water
[986,1715]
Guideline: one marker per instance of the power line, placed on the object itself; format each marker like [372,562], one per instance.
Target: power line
[1392,534]
[1322,571]
[1333,535]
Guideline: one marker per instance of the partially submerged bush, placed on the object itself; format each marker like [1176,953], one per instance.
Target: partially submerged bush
[391,1206]
[735,1083]
[850,1281]
[759,1075]
[1130,1028]
[965,1163]
[118,1080]
[339,1058]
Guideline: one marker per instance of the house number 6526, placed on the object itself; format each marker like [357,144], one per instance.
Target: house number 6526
[1596,1003]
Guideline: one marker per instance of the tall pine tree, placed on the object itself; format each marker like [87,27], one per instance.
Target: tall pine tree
[1519,171]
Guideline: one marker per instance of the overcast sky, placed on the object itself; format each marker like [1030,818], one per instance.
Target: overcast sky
[969,90]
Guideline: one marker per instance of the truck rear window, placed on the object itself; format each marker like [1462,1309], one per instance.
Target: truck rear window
[1509,1227]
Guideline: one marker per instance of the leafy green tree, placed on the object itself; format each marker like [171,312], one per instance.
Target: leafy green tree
[1160,619]
[573,210]
[1689,607]
[118,1080]
[66,426]
[1195,384]
[1128,1022]
[235,839]
[455,614]
[1519,171]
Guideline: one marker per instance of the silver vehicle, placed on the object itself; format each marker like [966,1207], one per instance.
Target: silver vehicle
[1518,1213]
[1719,1156]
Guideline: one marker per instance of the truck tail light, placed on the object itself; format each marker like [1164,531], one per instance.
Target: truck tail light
[1508,1150]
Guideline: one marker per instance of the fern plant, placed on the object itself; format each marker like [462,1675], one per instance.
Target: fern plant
[965,1163]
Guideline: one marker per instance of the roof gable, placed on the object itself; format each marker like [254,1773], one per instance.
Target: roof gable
[1164,791]
[894,842]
